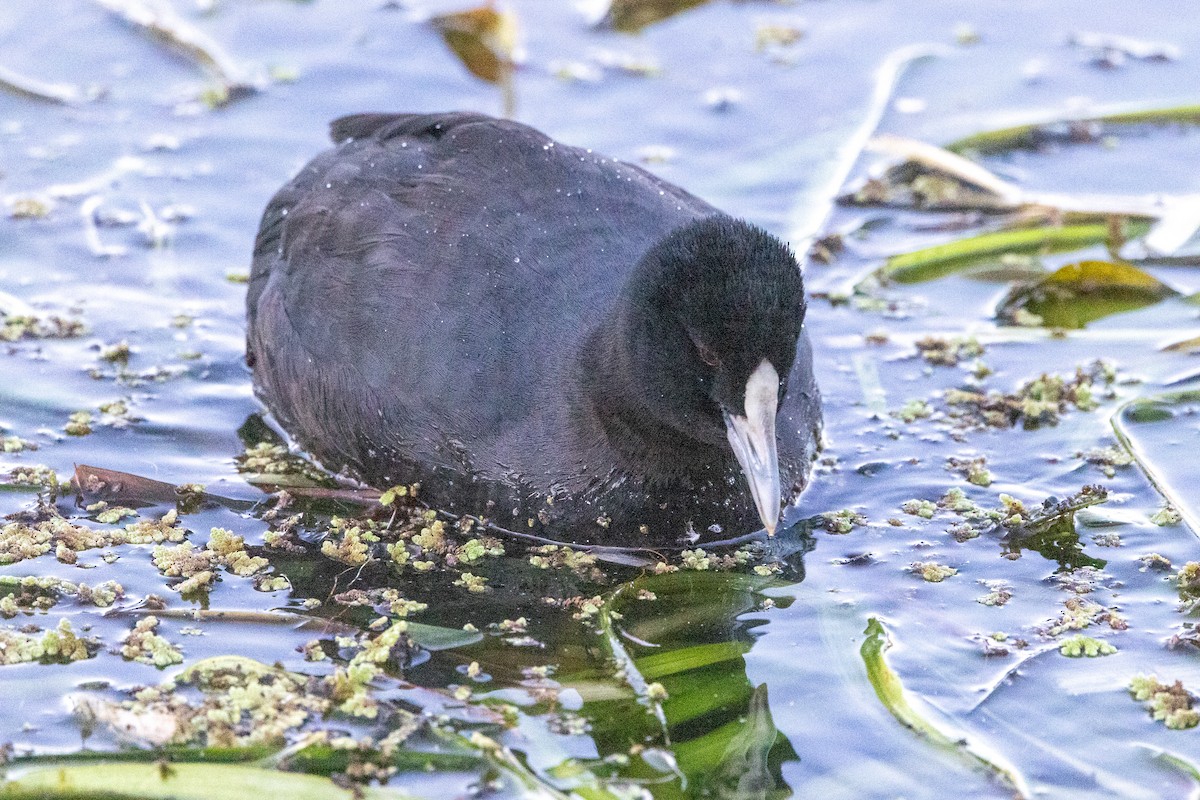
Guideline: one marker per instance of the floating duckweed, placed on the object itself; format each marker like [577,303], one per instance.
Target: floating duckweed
[102,595]
[589,607]
[349,545]
[395,493]
[919,508]
[18,648]
[199,582]
[769,36]
[700,560]
[314,651]
[15,444]
[552,556]
[402,607]
[471,582]
[1081,580]
[695,559]
[1172,704]
[1080,646]
[844,521]
[272,460]
[932,571]
[145,646]
[242,703]
[60,646]
[914,410]
[1155,562]
[36,475]
[29,207]
[1107,458]
[163,529]
[1013,512]
[948,352]
[432,538]
[973,469]
[19,542]
[997,597]
[475,549]
[32,593]
[1039,402]
[116,353]
[656,692]
[1079,613]
[182,561]
[1167,515]
[230,550]
[1187,581]
[398,553]
[14,328]
[110,516]
[79,424]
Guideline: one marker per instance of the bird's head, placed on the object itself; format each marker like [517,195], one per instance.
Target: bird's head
[721,309]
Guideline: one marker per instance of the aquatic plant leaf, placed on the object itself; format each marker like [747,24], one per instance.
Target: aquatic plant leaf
[1077,294]
[1147,427]
[698,693]
[1036,135]
[1143,410]
[630,16]
[483,38]
[177,782]
[685,659]
[744,770]
[436,637]
[945,259]
[1191,768]
[890,691]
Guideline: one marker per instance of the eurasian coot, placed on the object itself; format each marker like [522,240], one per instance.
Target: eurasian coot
[537,334]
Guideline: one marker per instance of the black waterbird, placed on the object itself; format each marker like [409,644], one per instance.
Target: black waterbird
[537,334]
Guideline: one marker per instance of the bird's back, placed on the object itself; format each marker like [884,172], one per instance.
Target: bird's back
[432,278]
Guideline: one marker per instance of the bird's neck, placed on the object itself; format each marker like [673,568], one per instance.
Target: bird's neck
[627,404]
